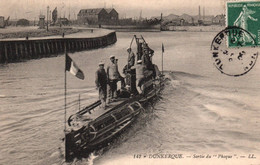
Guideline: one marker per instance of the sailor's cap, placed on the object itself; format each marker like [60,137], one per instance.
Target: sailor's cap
[139,61]
[101,63]
[112,56]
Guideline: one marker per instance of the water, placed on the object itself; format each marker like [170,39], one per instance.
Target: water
[201,110]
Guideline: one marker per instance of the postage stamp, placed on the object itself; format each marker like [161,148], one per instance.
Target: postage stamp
[246,15]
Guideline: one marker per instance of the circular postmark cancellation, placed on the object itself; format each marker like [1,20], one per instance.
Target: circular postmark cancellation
[232,54]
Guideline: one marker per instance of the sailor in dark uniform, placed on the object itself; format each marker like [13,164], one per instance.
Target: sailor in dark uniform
[101,84]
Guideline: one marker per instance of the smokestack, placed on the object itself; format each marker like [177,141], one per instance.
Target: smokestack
[140,18]
[203,13]
[199,12]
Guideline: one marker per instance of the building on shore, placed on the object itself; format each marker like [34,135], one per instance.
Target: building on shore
[2,22]
[97,16]
[23,22]
[186,19]
[219,19]
[41,22]
[112,15]
[63,21]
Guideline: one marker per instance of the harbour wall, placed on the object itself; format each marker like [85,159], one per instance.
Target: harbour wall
[20,50]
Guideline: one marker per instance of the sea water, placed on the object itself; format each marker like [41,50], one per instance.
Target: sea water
[200,112]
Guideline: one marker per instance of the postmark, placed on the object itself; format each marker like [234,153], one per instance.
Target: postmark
[246,15]
[236,60]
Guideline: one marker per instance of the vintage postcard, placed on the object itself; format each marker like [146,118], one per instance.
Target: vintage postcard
[150,82]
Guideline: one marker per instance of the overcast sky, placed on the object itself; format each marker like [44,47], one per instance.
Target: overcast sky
[30,9]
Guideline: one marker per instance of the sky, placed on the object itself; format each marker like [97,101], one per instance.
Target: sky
[31,9]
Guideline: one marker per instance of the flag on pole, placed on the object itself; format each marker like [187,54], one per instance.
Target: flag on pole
[162,48]
[73,68]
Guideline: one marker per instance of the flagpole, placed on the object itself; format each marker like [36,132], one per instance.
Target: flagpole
[65,90]
[65,101]
[162,59]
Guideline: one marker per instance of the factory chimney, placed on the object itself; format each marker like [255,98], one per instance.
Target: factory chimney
[203,13]
[199,13]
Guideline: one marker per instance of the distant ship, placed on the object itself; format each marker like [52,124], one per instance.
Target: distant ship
[138,25]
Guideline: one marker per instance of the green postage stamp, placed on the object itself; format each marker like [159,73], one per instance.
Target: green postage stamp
[245,15]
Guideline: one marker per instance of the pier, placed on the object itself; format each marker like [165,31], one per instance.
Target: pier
[20,49]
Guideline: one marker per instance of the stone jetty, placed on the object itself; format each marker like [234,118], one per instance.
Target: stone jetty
[20,49]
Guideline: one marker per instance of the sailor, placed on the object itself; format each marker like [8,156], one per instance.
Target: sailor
[113,76]
[101,84]
[120,78]
[131,57]
[147,56]
[130,62]
[139,69]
